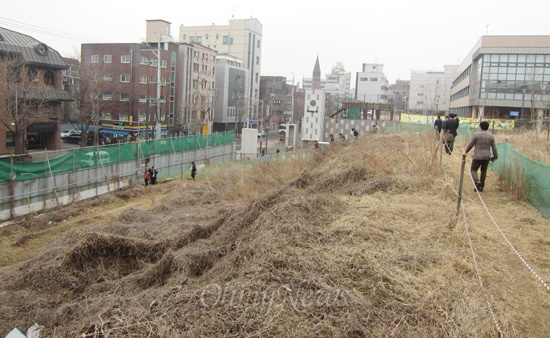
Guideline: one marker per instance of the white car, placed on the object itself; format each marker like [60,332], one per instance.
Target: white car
[70,132]
[95,157]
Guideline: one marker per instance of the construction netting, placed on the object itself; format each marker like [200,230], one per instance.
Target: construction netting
[462,131]
[532,176]
[82,158]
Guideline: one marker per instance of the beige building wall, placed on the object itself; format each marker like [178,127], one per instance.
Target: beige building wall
[240,38]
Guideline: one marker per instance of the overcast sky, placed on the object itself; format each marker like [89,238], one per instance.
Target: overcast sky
[401,35]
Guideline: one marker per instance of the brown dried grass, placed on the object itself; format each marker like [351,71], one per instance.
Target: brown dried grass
[353,241]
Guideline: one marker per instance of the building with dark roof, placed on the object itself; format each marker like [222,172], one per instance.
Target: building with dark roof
[30,106]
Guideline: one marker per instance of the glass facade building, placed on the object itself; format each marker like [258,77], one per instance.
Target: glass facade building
[511,76]
[505,77]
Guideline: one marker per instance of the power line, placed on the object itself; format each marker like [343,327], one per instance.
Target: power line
[45,31]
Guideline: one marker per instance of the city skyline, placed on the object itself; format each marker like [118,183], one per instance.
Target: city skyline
[402,36]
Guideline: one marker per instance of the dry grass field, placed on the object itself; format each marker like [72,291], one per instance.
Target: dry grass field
[359,240]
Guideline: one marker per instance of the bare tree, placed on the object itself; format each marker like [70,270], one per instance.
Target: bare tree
[93,93]
[21,104]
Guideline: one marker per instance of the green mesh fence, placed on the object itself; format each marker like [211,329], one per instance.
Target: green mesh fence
[96,156]
[463,128]
[520,170]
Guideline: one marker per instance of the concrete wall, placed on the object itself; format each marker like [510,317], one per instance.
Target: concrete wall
[24,197]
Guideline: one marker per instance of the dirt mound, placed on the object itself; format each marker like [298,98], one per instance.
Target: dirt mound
[353,241]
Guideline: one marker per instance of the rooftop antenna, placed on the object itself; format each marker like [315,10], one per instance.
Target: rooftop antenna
[233,14]
[487,29]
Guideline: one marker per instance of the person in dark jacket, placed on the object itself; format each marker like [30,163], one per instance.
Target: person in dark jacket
[438,123]
[451,127]
[193,170]
[153,174]
[484,143]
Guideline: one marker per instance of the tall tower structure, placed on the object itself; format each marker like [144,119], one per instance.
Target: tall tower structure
[316,80]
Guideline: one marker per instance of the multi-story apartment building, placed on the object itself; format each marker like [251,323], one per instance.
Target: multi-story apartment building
[430,91]
[31,93]
[230,100]
[371,84]
[133,95]
[152,83]
[504,77]
[399,94]
[241,39]
[284,104]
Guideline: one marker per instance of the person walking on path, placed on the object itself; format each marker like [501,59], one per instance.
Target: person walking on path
[451,127]
[147,176]
[153,174]
[193,170]
[484,143]
[438,123]
[355,133]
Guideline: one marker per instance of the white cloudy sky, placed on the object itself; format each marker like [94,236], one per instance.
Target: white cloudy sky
[400,34]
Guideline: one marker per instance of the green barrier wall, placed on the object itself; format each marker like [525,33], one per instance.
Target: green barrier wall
[535,176]
[463,128]
[96,156]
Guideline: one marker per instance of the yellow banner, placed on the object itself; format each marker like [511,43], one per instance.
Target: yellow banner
[497,124]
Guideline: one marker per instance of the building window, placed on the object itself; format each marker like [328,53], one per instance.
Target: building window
[227,40]
[125,59]
[95,58]
[107,58]
[49,78]
[108,96]
[143,60]
[124,97]
[124,77]
[123,117]
[107,77]
[10,139]
[257,60]
[106,116]
[142,79]
[163,63]
[142,98]
[258,43]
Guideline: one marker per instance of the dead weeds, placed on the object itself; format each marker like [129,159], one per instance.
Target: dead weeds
[353,241]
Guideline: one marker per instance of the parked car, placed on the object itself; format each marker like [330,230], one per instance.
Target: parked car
[70,132]
[71,136]
[95,157]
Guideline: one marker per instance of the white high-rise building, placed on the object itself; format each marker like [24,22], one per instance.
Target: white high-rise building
[430,91]
[241,39]
[371,84]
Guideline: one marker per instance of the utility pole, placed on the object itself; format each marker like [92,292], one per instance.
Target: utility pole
[157,125]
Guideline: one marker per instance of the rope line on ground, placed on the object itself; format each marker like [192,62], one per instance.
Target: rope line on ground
[514,250]
[478,275]
[472,251]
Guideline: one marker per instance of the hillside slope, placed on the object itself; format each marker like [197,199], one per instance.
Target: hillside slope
[355,241]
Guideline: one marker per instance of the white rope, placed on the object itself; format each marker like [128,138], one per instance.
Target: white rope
[523,260]
[478,275]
